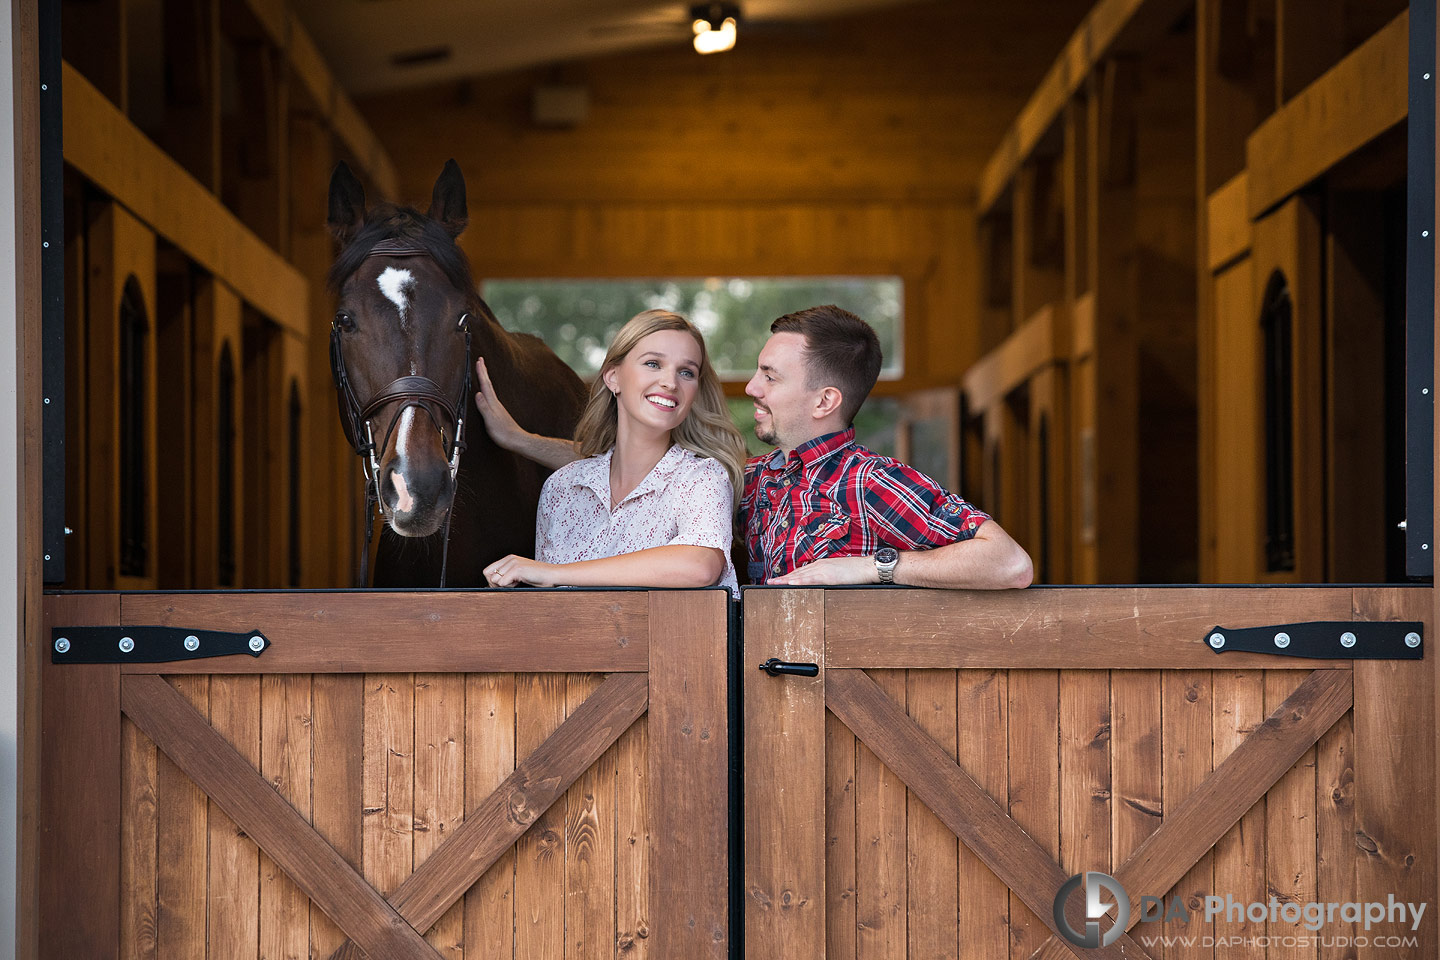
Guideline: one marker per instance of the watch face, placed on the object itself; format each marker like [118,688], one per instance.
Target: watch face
[887,555]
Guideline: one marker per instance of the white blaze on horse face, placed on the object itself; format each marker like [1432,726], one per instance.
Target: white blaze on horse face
[404,503]
[396,285]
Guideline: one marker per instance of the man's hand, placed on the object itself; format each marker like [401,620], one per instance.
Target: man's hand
[831,572]
[512,571]
[498,423]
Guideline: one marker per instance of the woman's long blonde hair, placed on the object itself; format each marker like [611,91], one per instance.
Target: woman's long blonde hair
[707,431]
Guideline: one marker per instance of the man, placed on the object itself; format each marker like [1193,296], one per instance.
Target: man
[823,510]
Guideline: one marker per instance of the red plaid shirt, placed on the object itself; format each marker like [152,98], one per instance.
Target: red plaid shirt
[833,498]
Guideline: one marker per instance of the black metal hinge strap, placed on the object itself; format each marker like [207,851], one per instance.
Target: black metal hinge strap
[1325,640]
[149,644]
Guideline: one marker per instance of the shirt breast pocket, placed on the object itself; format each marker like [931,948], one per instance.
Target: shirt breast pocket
[825,534]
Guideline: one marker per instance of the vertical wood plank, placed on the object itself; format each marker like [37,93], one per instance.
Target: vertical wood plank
[285,749]
[982,709]
[139,908]
[489,759]
[82,844]
[590,847]
[632,842]
[337,740]
[440,786]
[389,779]
[234,894]
[181,843]
[1085,771]
[1135,768]
[1034,790]
[840,879]
[1289,833]
[933,880]
[1239,857]
[880,857]
[784,775]
[1335,849]
[1187,710]
[1395,751]
[689,767]
[540,854]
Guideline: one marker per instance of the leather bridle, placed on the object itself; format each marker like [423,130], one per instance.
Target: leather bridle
[409,391]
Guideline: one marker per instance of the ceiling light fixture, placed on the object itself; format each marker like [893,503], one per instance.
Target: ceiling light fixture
[714,25]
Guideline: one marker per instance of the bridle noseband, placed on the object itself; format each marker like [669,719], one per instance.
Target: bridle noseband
[409,391]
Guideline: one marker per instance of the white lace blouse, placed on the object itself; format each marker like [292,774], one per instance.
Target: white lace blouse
[684,500]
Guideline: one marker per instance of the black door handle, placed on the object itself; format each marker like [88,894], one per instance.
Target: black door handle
[775,667]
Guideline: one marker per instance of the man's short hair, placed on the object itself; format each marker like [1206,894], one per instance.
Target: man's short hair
[841,350]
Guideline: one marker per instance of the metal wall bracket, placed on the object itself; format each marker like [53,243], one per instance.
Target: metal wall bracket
[1325,640]
[149,644]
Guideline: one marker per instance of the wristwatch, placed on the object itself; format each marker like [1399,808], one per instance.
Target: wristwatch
[885,560]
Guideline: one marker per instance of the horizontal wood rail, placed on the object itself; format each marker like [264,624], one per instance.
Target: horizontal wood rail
[1354,102]
[363,632]
[112,153]
[1029,349]
[1100,628]
[1105,28]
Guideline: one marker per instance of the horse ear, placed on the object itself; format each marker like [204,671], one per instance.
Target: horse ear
[447,203]
[347,204]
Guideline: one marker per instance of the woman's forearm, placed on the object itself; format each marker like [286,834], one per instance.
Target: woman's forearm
[552,452]
[670,566]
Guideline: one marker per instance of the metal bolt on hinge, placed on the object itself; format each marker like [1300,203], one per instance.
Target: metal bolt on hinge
[126,644]
[1282,640]
[1401,525]
[1217,640]
[62,645]
[257,644]
[192,643]
[1412,639]
[1347,639]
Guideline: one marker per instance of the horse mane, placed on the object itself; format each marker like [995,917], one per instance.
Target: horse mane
[387,221]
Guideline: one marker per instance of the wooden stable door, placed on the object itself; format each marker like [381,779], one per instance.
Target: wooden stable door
[958,756]
[457,775]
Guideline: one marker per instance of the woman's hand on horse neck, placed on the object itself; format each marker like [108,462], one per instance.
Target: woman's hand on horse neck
[552,452]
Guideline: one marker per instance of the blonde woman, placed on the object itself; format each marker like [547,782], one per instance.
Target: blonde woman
[651,500]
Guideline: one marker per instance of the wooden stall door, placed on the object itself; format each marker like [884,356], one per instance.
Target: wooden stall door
[960,756]
[457,775]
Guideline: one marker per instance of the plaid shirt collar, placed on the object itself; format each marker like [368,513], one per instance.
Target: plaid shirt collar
[812,452]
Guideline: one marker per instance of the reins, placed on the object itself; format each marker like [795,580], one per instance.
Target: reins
[411,391]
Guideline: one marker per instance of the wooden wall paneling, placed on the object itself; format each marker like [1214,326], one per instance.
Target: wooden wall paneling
[1335,847]
[1034,796]
[1083,494]
[489,911]
[218,329]
[997,287]
[81,742]
[1235,83]
[881,856]
[1289,240]
[119,247]
[1327,121]
[1355,385]
[177,445]
[1085,771]
[440,730]
[337,737]
[983,703]
[1051,516]
[286,749]
[1114,416]
[1187,706]
[389,780]
[1234,527]
[1307,42]
[256,170]
[1290,832]
[540,853]
[932,883]
[233,918]
[1239,857]
[182,834]
[258,388]
[1137,800]
[295,492]
[139,846]
[1014,454]
[841,878]
[190,133]
[1010,365]
[93,35]
[784,736]
[1394,722]
[1037,209]
[590,845]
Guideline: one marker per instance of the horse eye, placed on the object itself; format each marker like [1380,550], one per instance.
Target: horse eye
[344,321]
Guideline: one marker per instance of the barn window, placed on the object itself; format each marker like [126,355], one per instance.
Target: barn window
[1275,325]
[134,436]
[225,494]
[293,455]
[577,318]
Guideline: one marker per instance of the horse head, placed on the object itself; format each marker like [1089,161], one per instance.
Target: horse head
[401,344]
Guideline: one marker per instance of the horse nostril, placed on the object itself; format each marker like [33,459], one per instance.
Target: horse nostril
[404,502]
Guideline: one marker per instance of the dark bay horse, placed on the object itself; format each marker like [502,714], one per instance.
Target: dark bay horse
[408,327]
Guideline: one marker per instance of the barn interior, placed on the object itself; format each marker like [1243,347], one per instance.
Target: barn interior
[1150,253]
